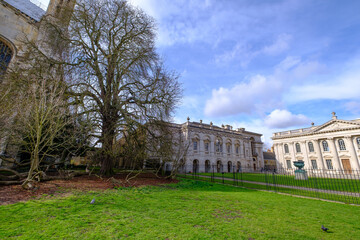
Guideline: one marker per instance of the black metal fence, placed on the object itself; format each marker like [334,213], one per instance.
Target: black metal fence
[335,185]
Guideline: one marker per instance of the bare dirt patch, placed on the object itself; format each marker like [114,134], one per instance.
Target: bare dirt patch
[15,193]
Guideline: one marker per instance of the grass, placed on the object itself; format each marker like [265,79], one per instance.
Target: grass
[334,184]
[187,210]
[320,195]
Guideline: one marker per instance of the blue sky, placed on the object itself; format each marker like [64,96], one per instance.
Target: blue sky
[268,65]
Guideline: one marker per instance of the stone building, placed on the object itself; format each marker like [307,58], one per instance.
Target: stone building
[269,161]
[22,20]
[332,145]
[221,149]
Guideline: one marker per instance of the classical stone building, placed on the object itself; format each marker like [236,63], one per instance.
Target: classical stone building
[332,145]
[221,149]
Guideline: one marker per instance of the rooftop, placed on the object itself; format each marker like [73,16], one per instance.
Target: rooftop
[28,8]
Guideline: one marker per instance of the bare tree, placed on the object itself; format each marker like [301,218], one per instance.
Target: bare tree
[38,117]
[118,75]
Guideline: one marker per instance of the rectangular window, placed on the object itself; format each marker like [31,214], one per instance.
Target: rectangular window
[314,164]
[237,150]
[195,145]
[206,146]
[329,164]
[288,163]
[228,148]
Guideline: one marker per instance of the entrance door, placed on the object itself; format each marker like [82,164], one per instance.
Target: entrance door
[346,165]
[254,166]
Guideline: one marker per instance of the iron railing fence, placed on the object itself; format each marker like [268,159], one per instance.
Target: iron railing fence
[329,184]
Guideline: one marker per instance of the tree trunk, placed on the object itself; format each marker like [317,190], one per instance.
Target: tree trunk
[108,134]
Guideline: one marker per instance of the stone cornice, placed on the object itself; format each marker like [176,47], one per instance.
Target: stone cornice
[313,133]
[315,130]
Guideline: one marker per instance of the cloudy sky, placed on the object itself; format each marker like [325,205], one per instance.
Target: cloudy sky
[266,65]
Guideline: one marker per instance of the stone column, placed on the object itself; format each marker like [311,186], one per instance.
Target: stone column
[242,149]
[354,160]
[336,163]
[277,155]
[224,150]
[319,159]
[306,154]
[292,144]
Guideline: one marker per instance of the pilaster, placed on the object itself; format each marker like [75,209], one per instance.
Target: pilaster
[354,159]
[333,150]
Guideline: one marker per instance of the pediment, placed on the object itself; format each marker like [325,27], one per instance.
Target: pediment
[337,125]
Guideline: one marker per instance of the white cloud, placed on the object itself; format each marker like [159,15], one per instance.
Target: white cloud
[257,95]
[283,119]
[211,22]
[288,63]
[257,126]
[345,86]
[245,53]
[280,45]
[262,93]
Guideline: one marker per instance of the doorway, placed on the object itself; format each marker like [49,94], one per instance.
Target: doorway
[346,165]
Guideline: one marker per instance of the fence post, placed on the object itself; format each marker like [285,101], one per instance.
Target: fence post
[233,168]
[274,179]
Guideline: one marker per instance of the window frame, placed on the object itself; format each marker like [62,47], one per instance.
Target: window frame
[311,147]
[342,145]
[314,166]
[298,147]
[8,53]
[329,164]
[288,164]
[206,146]
[195,145]
[325,146]
[286,148]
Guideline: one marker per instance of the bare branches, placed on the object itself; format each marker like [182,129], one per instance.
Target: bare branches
[118,70]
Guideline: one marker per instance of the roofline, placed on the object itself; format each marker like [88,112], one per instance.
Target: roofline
[24,15]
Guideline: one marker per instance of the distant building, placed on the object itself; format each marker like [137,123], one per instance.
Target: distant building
[332,145]
[221,149]
[269,160]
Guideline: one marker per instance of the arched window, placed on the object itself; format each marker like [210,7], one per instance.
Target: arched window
[311,147]
[325,146]
[342,144]
[286,148]
[298,149]
[358,142]
[5,57]
[195,166]
[207,166]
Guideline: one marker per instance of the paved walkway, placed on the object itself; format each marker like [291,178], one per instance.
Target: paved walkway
[353,194]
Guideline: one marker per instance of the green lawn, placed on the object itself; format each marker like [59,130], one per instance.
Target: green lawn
[349,185]
[188,210]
